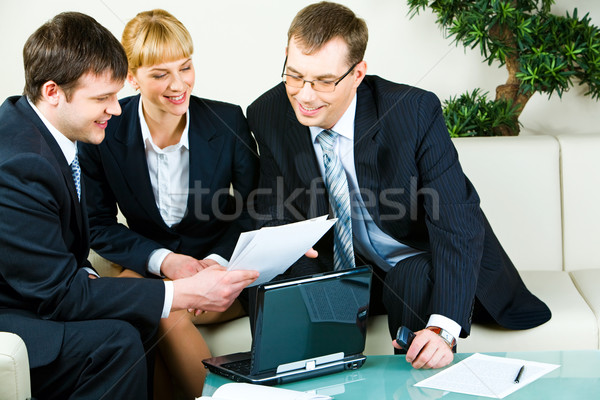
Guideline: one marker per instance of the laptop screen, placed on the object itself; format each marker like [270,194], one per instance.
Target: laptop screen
[311,317]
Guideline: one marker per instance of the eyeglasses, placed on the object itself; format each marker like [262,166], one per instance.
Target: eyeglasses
[317,85]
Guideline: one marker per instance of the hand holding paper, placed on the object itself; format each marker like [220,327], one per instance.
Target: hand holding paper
[272,250]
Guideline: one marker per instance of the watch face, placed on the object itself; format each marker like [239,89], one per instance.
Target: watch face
[446,336]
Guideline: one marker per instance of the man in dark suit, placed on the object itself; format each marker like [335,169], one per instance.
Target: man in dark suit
[379,155]
[86,337]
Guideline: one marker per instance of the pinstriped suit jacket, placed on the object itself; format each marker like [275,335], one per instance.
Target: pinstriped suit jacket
[413,187]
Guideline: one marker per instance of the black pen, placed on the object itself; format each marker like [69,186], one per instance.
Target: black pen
[519,374]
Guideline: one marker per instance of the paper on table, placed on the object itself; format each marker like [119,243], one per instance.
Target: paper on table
[488,376]
[246,391]
[271,250]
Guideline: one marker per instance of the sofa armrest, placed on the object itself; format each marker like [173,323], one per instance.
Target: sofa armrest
[14,368]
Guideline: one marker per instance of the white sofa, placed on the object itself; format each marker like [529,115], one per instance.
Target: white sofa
[14,368]
[541,195]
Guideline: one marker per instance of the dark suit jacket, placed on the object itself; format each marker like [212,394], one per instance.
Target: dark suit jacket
[44,243]
[222,152]
[413,187]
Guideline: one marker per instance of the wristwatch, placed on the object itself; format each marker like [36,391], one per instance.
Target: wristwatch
[444,334]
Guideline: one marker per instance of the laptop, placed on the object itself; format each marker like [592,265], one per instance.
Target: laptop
[304,328]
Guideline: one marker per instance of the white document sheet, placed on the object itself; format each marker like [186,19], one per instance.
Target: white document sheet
[272,250]
[489,376]
[247,391]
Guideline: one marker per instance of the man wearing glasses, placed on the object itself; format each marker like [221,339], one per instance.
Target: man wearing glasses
[377,155]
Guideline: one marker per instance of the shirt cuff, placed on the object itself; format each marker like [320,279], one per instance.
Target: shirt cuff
[168,299]
[219,259]
[156,259]
[445,323]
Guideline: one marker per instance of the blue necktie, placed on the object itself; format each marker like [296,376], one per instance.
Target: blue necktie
[76,171]
[339,199]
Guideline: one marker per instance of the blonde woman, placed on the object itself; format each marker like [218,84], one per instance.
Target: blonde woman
[168,162]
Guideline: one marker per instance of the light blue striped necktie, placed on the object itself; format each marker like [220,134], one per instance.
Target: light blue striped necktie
[76,171]
[339,199]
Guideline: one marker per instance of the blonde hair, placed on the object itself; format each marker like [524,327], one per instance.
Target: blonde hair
[153,37]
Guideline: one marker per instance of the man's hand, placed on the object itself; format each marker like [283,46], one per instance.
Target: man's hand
[428,350]
[208,262]
[177,266]
[211,289]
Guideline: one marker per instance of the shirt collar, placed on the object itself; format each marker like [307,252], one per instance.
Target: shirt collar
[67,146]
[147,137]
[344,127]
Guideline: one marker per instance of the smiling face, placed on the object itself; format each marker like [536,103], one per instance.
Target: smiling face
[165,87]
[329,63]
[85,115]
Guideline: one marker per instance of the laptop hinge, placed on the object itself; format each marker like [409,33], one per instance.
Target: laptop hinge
[310,364]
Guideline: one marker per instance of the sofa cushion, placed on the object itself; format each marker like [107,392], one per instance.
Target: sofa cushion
[587,282]
[517,179]
[227,337]
[573,325]
[14,368]
[379,341]
[581,196]
[103,266]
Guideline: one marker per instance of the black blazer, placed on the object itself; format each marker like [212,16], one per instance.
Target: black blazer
[413,187]
[222,153]
[44,242]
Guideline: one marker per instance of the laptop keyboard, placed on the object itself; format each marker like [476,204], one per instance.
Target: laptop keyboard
[242,366]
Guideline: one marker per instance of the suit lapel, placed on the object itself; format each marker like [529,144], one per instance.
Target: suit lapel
[85,220]
[128,150]
[366,148]
[205,149]
[82,240]
[302,150]
[61,163]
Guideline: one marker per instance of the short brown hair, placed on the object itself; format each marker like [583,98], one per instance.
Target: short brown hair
[318,23]
[68,46]
[155,36]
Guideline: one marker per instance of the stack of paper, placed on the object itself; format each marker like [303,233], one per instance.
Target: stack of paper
[272,250]
[246,391]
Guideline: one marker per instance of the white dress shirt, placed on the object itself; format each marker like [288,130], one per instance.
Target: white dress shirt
[369,240]
[169,171]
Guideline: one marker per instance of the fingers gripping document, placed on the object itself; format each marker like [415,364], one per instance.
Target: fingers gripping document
[271,250]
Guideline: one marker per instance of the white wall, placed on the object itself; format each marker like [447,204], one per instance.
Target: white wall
[239,50]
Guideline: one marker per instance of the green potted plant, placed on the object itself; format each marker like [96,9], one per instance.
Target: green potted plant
[542,52]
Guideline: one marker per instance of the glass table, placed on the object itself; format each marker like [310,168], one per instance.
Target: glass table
[391,377]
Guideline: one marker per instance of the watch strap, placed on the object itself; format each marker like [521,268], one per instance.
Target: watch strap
[444,334]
